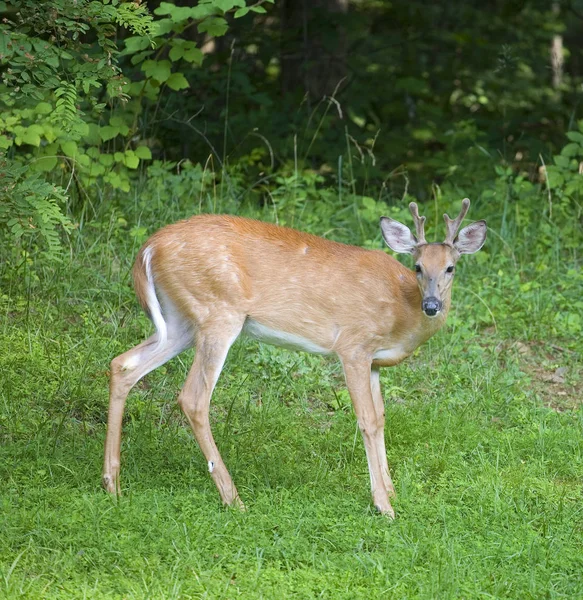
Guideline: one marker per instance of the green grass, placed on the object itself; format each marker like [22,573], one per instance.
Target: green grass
[486,452]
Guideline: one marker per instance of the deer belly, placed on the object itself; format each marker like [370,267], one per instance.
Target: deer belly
[283,339]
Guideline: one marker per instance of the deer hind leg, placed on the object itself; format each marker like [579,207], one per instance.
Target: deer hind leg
[212,346]
[126,370]
[379,404]
[358,380]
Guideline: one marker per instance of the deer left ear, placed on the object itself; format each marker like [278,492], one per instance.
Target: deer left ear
[471,238]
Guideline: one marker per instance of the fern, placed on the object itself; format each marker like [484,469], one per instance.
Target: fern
[65,112]
[31,214]
[135,17]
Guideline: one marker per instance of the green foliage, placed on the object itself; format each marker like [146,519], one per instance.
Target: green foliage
[31,215]
[563,178]
[54,87]
[63,92]
[173,50]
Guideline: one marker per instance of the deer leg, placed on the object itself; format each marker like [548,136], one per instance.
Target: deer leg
[379,404]
[358,380]
[126,370]
[211,351]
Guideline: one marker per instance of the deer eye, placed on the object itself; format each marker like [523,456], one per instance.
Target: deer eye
[449,269]
[417,268]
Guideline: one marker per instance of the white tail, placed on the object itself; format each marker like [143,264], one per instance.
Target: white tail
[152,304]
[205,280]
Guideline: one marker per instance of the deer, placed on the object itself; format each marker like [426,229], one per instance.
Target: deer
[206,280]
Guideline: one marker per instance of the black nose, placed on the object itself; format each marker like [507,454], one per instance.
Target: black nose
[431,306]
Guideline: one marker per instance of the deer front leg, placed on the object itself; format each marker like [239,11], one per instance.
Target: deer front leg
[358,380]
[379,404]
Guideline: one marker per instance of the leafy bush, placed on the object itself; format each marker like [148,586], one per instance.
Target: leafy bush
[59,71]
[69,114]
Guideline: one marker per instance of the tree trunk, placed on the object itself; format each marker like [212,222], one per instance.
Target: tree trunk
[313,50]
[557,53]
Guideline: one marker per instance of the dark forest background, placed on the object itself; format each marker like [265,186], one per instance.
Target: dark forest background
[381,99]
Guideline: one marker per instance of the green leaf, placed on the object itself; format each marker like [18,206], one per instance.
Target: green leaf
[97,169]
[93,135]
[258,9]
[131,160]
[140,56]
[113,179]
[176,52]
[192,54]
[83,160]
[554,177]
[31,136]
[187,50]
[45,164]
[202,11]
[107,132]
[49,132]
[165,8]
[135,44]
[575,136]
[80,128]
[118,123]
[226,5]
[241,12]
[106,160]
[177,81]
[162,27]
[43,108]
[176,13]
[143,152]
[69,148]
[562,161]
[157,69]
[571,150]
[574,186]
[214,26]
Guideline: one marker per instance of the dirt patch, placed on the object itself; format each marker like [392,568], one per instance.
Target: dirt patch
[555,372]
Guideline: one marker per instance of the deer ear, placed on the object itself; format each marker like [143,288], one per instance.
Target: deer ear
[397,236]
[471,238]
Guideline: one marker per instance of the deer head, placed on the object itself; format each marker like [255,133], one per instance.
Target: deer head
[434,262]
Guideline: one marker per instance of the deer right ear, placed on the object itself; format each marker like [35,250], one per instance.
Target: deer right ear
[398,236]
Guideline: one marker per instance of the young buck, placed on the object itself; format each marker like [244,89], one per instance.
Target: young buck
[205,280]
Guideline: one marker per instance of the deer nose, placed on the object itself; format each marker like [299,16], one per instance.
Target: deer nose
[431,306]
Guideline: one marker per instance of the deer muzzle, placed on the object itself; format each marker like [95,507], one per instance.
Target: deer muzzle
[431,306]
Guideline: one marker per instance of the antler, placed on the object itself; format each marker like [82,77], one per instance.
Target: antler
[454,224]
[419,224]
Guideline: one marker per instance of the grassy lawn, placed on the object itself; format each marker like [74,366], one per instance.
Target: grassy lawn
[484,438]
